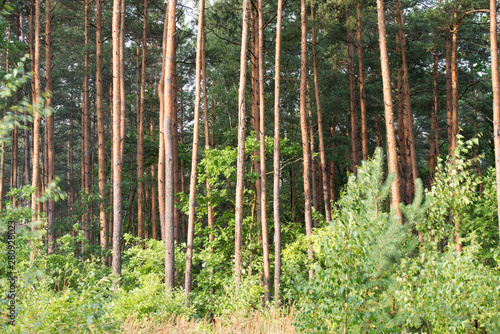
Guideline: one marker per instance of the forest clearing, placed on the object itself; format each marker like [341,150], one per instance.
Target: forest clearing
[249,166]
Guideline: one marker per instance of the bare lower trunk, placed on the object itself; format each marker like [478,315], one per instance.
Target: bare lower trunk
[434,134]
[388,108]
[276,159]
[240,164]
[194,156]
[322,154]
[169,104]
[140,128]
[51,236]
[263,181]
[352,100]
[496,96]
[303,129]
[117,153]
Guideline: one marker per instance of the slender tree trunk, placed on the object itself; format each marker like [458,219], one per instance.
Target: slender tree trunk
[310,126]
[434,134]
[169,104]
[154,194]
[194,157]
[100,128]
[496,95]
[454,87]
[86,126]
[254,39]
[409,135]
[263,178]
[474,116]
[207,139]
[322,154]
[388,108]
[352,100]
[36,116]
[449,99]
[303,130]
[161,153]
[50,123]
[240,163]
[140,127]
[403,154]
[276,158]
[183,178]
[362,94]
[117,153]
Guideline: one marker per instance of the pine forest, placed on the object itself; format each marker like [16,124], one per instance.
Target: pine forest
[249,166]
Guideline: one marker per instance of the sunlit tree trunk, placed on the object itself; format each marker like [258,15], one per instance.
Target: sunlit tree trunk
[117,153]
[50,123]
[454,87]
[100,128]
[496,95]
[254,46]
[303,129]
[319,115]
[388,109]
[36,116]
[161,153]
[434,134]
[140,127]
[86,126]
[240,163]
[207,137]
[449,99]
[276,158]
[169,105]
[263,178]
[194,157]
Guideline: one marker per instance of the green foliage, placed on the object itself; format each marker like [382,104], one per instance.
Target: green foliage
[355,259]
[449,292]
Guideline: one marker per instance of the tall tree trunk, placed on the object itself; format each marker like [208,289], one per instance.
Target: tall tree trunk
[409,135]
[154,194]
[403,154]
[100,128]
[388,109]
[434,134]
[207,138]
[183,177]
[474,116]
[194,157]
[50,123]
[303,129]
[276,158]
[319,114]
[454,87]
[352,100]
[496,96]
[169,105]
[86,125]
[362,94]
[310,126]
[240,163]
[140,127]
[263,178]
[254,39]
[117,152]
[449,98]
[36,116]
[454,117]
[161,153]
